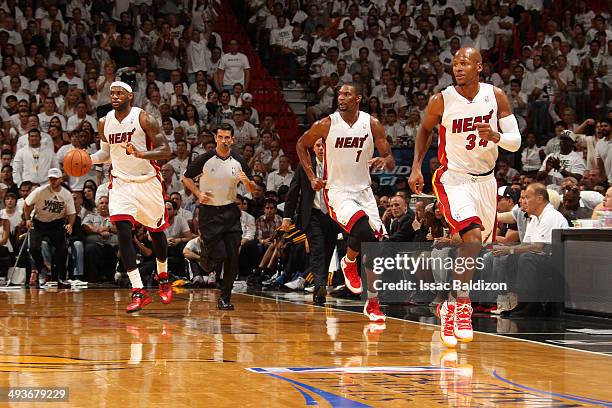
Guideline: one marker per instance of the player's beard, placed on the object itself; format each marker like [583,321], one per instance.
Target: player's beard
[123,106]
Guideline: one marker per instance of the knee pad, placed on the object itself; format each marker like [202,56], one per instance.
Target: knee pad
[361,232]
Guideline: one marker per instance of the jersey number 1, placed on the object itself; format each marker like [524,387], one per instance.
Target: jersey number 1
[471,139]
[358,155]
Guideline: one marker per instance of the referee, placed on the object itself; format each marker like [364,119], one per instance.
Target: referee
[219,217]
[52,206]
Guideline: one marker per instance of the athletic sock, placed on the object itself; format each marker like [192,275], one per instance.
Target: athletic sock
[162,269]
[372,295]
[135,279]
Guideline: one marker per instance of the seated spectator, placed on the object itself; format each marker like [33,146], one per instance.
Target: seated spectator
[605,205]
[566,163]
[280,177]
[505,173]
[395,130]
[101,244]
[197,275]
[507,233]
[533,269]
[170,180]
[178,234]
[530,157]
[400,220]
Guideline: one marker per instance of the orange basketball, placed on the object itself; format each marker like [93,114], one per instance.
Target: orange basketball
[77,162]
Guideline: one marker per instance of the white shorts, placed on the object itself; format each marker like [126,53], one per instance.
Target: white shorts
[346,207]
[466,200]
[138,202]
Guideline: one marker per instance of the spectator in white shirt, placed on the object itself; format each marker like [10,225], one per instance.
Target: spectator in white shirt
[475,39]
[533,269]
[198,56]
[395,130]
[70,77]
[48,113]
[280,177]
[75,121]
[566,163]
[244,132]
[181,161]
[530,156]
[33,162]
[234,68]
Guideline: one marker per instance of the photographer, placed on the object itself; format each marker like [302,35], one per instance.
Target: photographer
[47,209]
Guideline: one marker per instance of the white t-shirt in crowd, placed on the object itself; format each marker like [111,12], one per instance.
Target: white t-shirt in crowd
[233,66]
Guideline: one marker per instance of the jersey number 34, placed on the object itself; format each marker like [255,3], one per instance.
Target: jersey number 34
[471,142]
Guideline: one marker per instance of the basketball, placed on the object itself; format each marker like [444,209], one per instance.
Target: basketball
[77,163]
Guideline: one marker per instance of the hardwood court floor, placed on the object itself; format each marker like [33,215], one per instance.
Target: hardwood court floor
[271,353]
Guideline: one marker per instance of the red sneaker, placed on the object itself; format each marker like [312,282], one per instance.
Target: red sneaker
[463,320]
[446,312]
[140,298]
[352,280]
[372,310]
[165,288]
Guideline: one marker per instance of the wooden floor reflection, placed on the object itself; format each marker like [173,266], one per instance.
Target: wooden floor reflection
[269,354]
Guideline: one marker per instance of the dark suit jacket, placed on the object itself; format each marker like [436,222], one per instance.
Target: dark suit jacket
[300,183]
[401,230]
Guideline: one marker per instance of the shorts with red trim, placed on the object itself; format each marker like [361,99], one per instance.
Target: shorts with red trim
[138,202]
[347,207]
[466,200]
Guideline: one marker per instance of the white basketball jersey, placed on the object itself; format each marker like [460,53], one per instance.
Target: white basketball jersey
[347,151]
[460,149]
[124,166]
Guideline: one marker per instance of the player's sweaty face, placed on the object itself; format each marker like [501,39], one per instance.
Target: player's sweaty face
[465,69]
[118,97]
[347,99]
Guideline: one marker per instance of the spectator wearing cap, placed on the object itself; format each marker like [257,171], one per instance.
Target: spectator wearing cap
[566,163]
[54,216]
[33,161]
[247,103]
[507,198]
[234,68]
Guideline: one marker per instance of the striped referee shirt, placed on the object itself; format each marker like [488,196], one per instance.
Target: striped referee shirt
[219,175]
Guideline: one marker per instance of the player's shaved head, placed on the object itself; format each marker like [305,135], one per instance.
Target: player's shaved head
[469,52]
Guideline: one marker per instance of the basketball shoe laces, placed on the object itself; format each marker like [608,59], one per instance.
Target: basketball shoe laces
[449,321]
[463,316]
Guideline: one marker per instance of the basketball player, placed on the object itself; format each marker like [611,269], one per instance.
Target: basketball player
[135,192]
[350,136]
[475,118]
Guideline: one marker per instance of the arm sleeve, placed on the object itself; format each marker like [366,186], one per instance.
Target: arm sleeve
[510,139]
[102,155]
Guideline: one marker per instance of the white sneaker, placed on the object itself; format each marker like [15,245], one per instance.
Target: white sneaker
[50,285]
[446,312]
[77,282]
[309,289]
[296,284]
[463,320]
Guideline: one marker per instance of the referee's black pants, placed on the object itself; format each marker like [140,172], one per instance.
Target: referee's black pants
[322,234]
[55,234]
[221,232]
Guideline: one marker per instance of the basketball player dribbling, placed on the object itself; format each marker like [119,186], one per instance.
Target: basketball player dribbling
[131,140]
[475,118]
[350,136]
